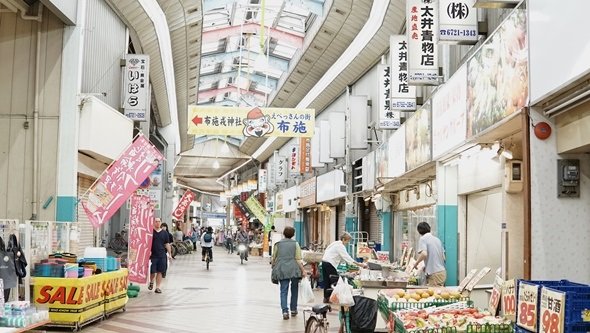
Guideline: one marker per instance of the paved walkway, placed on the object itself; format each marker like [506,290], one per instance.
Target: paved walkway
[230,297]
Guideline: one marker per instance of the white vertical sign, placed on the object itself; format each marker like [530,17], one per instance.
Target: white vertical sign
[281,164]
[262,174]
[294,160]
[136,86]
[422,18]
[388,119]
[458,21]
[403,96]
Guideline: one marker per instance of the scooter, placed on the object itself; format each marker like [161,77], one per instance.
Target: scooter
[242,251]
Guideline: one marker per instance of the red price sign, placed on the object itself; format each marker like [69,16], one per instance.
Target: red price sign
[527,316]
[509,300]
[552,311]
[495,297]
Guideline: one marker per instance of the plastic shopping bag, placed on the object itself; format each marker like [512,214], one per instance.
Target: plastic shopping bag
[305,292]
[342,294]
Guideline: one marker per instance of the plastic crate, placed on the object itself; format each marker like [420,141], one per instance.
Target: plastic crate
[101,263]
[577,301]
[490,328]
[396,306]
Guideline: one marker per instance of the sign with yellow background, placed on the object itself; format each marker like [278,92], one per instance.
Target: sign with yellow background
[251,121]
[70,301]
[256,208]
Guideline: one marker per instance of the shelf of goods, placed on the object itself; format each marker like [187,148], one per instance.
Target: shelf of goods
[435,310]
[75,302]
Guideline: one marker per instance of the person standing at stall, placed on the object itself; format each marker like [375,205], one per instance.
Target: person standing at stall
[335,254]
[430,250]
[160,248]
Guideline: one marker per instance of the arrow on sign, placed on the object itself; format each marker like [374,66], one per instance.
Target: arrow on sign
[197,120]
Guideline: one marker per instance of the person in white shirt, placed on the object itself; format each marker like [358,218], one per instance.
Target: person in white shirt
[335,254]
[432,252]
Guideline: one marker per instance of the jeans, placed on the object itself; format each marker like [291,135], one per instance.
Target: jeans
[285,291]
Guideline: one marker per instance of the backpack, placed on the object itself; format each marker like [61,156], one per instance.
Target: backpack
[207,238]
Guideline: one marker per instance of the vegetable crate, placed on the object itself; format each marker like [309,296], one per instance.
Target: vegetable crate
[552,307]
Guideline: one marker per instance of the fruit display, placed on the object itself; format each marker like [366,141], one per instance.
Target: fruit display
[420,295]
[439,318]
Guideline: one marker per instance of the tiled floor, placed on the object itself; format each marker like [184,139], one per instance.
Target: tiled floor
[230,297]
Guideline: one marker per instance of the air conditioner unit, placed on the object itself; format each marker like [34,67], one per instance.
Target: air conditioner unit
[574,94]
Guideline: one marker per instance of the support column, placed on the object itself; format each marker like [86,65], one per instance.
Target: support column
[386,239]
[447,219]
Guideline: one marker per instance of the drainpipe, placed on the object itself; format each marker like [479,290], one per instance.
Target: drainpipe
[35,202]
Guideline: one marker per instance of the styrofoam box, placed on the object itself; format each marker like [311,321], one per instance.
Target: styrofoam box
[95,252]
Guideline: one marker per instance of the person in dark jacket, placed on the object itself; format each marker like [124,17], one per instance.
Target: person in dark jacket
[170,237]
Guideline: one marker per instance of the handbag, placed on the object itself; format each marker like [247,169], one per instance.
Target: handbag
[20,262]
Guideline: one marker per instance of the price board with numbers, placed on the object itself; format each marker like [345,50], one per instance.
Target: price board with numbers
[526,306]
[552,311]
[509,299]
[495,296]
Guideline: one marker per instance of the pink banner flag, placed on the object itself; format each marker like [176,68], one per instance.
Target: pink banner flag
[185,201]
[141,226]
[120,180]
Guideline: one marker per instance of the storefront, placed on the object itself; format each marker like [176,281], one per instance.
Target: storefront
[330,189]
[308,232]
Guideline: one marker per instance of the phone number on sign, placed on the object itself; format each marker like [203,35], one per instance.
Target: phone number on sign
[458,32]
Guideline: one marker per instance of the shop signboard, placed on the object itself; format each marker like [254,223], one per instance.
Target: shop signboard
[256,208]
[449,114]
[418,138]
[136,86]
[294,160]
[305,154]
[509,299]
[185,201]
[281,169]
[388,118]
[552,311]
[526,306]
[262,178]
[368,171]
[279,201]
[307,190]
[397,153]
[497,75]
[458,21]
[403,95]
[141,220]
[251,122]
[120,180]
[290,199]
[422,18]
[329,186]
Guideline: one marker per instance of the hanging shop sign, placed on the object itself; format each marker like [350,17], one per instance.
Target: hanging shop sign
[281,169]
[458,21]
[305,154]
[256,208]
[388,118]
[497,75]
[252,184]
[307,190]
[368,171]
[330,186]
[418,138]
[290,199]
[262,179]
[251,122]
[552,311]
[185,201]
[527,306]
[141,220]
[294,161]
[422,18]
[279,201]
[120,180]
[396,164]
[449,114]
[403,96]
[382,161]
[136,86]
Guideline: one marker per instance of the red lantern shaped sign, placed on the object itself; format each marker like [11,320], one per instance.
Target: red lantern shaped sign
[542,130]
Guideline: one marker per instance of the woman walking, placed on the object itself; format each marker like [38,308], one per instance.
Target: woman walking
[287,268]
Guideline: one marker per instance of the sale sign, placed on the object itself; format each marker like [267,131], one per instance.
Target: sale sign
[509,299]
[141,226]
[552,311]
[183,204]
[527,306]
[120,180]
[495,297]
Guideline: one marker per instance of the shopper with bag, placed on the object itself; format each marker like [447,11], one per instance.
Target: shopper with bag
[287,269]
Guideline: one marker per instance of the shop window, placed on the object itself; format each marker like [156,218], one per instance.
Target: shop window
[405,233]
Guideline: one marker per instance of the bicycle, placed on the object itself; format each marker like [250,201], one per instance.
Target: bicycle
[207,256]
[318,320]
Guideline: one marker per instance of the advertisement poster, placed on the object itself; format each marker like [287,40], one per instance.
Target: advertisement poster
[422,18]
[187,198]
[251,122]
[403,96]
[120,180]
[388,118]
[497,75]
[418,138]
[458,21]
[136,86]
[141,226]
[305,154]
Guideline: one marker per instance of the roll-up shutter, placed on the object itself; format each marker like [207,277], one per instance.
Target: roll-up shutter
[86,231]
[341,220]
[375,228]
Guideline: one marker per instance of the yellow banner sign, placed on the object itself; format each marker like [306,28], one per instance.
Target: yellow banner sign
[256,209]
[251,121]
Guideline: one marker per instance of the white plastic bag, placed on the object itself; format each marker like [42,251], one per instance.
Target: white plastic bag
[305,292]
[342,294]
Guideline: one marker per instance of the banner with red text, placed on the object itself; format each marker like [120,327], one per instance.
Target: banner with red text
[183,204]
[141,226]
[120,180]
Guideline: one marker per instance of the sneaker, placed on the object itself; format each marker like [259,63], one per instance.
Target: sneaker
[293,313]
[285,315]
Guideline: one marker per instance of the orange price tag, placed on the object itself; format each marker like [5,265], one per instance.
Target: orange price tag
[527,316]
[509,300]
[552,311]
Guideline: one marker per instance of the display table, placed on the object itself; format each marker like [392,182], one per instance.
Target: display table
[23,329]
[76,302]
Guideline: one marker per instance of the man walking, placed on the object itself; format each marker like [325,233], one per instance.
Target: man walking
[160,248]
[430,250]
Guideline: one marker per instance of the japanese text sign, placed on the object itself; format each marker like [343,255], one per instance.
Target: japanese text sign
[458,21]
[120,180]
[422,18]
[183,204]
[307,191]
[281,169]
[495,296]
[403,96]
[388,118]
[136,86]
[527,306]
[141,226]
[256,208]
[294,160]
[251,122]
[552,311]
[305,154]
[509,299]
[262,180]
